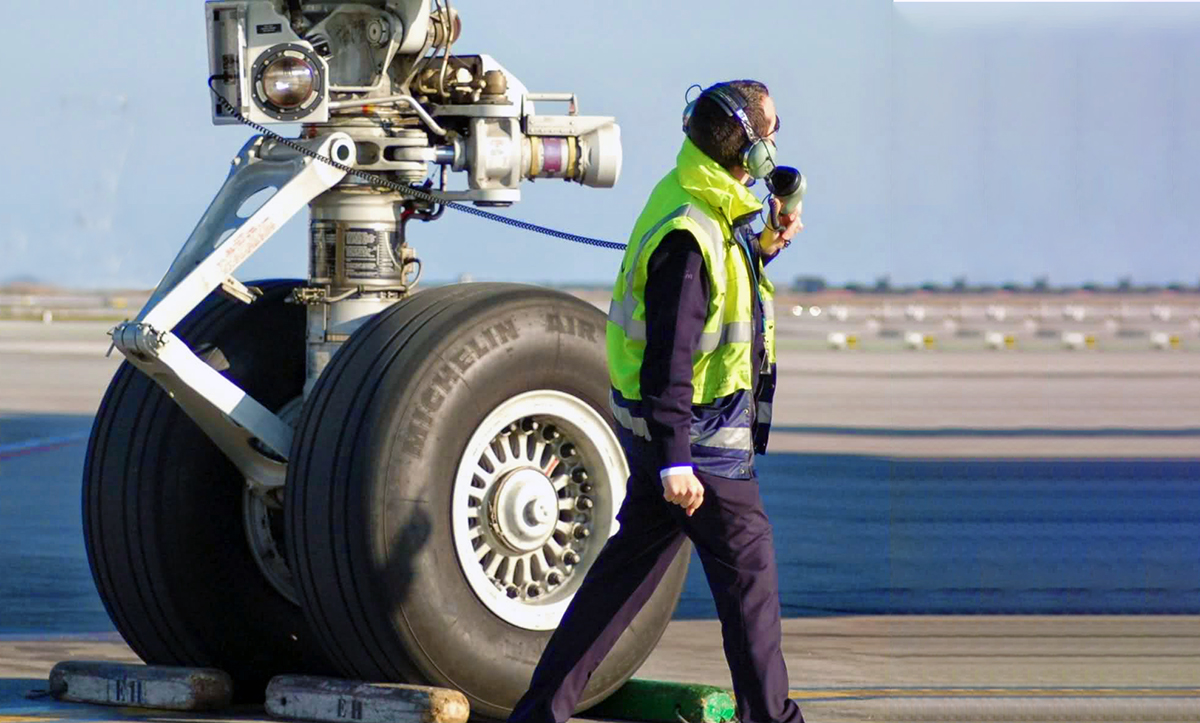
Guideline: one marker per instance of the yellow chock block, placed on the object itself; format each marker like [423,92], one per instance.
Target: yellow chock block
[929,341]
[1176,342]
[1090,341]
[1010,341]
[851,341]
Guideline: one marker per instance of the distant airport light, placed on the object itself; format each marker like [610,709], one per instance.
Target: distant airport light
[838,340]
[999,341]
[997,312]
[1163,341]
[814,310]
[1077,313]
[1076,341]
[797,310]
[916,340]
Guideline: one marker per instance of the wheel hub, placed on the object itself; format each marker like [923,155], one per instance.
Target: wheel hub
[535,499]
[524,509]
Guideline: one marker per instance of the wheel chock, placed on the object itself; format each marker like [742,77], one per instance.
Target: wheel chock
[141,686]
[663,702]
[303,697]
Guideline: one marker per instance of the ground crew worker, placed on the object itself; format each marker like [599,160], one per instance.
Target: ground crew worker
[691,354]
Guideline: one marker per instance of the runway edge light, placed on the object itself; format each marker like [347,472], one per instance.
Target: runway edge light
[304,697]
[141,686]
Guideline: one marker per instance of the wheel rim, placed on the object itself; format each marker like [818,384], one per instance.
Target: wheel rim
[535,498]
[262,518]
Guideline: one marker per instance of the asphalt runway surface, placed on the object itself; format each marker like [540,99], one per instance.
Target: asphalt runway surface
[993,488]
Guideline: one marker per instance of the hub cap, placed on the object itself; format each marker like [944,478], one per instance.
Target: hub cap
[524,510]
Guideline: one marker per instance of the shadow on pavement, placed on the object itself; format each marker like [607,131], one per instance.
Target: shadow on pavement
[870,535]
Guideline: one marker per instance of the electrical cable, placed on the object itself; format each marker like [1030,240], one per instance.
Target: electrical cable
[405,190]
[448,22]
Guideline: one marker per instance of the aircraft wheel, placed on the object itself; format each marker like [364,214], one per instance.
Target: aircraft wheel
[165,514]
[454,475]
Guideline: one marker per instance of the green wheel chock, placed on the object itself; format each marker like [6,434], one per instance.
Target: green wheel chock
[660,701]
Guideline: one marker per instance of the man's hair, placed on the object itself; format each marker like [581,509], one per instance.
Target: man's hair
[721,135]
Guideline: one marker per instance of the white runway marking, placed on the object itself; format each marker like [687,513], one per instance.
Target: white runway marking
[33,446]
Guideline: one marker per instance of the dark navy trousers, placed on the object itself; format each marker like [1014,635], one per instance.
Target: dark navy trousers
[733,538]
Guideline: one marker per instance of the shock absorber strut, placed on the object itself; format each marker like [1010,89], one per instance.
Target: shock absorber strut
[358,265]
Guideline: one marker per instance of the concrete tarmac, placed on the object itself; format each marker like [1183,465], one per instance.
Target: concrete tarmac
[1108,442]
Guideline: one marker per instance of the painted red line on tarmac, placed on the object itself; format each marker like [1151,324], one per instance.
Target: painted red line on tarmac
[34,446]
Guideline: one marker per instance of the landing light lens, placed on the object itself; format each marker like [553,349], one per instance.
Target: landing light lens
[288,82]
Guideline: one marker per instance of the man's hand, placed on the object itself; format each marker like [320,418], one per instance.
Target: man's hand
[683,489]
[770,241]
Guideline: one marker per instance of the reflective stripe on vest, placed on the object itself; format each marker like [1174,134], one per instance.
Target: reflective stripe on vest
[725,438]
[620,311]
[625,418]
[731,333]
[764,413]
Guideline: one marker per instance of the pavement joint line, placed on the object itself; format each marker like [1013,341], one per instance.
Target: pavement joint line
[43,444]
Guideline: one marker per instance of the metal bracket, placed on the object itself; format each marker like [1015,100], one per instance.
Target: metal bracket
[254,438]
[238,291]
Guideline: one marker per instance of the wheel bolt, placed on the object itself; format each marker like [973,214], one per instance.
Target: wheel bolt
[529,425]
[586,487]
[579,475]
[513,591]
[566,451]
[554,578]
[533,591]
[583,503]
[570,557]
[550,433]
[581,532]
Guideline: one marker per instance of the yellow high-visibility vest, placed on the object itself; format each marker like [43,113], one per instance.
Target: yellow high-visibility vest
[702,198]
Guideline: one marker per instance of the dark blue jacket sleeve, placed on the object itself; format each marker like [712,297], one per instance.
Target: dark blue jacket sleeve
[676,307]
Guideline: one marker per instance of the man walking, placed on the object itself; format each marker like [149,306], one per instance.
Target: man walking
[691,352]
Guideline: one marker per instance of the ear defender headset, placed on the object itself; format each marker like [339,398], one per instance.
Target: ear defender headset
[758,154]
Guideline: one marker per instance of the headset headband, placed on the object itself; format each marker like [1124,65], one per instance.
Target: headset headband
[758,153]
[734,104]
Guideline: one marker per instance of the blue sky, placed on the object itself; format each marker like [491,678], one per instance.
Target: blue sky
[996,141]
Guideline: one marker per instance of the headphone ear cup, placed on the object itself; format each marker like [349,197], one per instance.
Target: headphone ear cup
[759,158]
[687,114]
